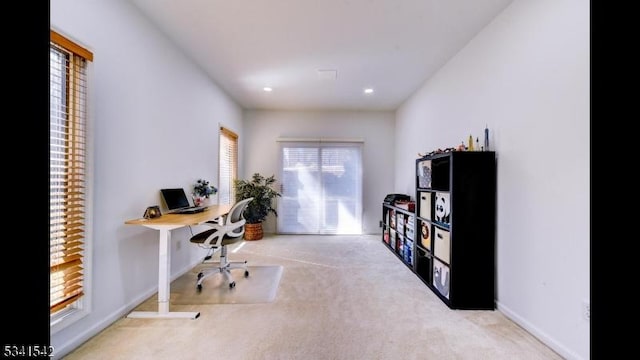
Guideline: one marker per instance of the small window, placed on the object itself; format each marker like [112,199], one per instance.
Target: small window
[228,165]
[67,174]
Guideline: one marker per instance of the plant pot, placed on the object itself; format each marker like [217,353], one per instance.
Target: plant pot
[253,231]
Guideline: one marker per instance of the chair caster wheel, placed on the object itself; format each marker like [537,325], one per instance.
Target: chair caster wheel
[200,275]
[246,273]
[199,286]
[232,285]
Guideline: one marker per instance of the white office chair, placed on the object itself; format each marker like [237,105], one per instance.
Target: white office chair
[226,230]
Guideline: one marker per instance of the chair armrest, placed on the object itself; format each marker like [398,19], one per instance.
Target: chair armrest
[232,227]
[215,239]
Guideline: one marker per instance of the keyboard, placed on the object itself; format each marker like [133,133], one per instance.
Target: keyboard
[191,210]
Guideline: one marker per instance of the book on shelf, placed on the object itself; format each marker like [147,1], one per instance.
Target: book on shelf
[392,219]
[408,252]
[406,205]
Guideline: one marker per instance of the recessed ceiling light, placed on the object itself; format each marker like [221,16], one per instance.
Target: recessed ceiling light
[267,89]
[368,91]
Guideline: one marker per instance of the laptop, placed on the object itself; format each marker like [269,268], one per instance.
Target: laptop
[177,202]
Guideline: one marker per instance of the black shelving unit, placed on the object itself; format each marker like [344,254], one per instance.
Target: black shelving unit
[455,227]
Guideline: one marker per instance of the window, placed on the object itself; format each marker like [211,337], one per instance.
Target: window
[228,166]
[67,174]
[321,188]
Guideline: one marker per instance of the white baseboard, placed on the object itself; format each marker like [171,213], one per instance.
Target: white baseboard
[62,350]
[541,335]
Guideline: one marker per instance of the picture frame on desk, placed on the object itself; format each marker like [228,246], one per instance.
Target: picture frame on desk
[152,212]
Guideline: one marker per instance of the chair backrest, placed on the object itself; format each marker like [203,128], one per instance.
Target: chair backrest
[236,215]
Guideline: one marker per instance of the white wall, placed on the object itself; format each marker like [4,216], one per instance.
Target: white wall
[155,124]
[262,128]
[526,76]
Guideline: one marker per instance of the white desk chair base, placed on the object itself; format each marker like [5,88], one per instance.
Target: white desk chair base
[224,267]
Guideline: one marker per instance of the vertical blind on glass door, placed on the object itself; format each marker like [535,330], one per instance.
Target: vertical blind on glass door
[67,167]
[321,187]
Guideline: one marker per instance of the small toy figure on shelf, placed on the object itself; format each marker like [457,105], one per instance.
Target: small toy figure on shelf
[439,151]
[461,147]
[486,138]
[470,147]
[478,144]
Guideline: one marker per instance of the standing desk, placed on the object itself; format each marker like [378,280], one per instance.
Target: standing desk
[164,224]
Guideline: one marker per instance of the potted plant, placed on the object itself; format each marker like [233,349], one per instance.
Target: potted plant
[201,192]
[259,188]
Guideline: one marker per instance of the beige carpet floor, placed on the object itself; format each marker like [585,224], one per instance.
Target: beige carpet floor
[340,297]
[261,286]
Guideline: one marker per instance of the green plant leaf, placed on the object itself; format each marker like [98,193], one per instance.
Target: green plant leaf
[261,189]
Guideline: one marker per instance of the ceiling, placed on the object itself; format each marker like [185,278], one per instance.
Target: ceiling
[391,46]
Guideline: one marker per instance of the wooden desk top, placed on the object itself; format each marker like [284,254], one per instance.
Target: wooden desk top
[212,212]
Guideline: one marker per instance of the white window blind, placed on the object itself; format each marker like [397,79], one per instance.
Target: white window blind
[321,188]
[67,149]
[228,165]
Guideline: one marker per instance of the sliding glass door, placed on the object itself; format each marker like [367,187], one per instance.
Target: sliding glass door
[321,188]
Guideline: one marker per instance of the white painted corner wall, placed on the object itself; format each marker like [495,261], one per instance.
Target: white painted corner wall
[376,128]
[526,76]
[154,119]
